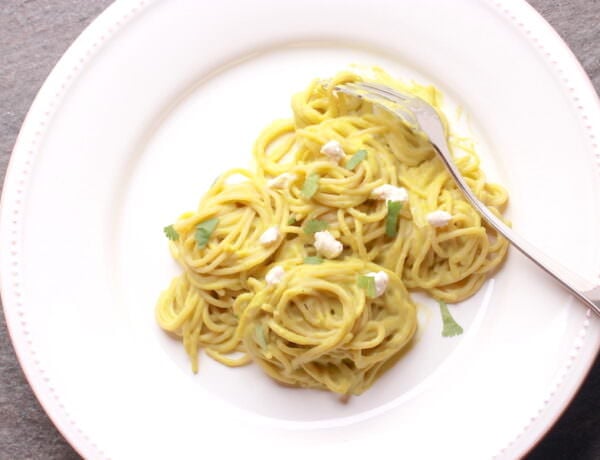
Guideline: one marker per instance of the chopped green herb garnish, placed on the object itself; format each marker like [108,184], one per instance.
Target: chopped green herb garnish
[368,284]
[260,336]
[391,221]
[204,230]
[311,185]
[451,327]
[356,159]
[313,260]
[314,225]
[171,233]
[291,221]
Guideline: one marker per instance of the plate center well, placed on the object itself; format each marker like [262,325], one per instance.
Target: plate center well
[212,128]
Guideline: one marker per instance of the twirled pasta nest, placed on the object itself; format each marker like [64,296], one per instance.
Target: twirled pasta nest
[318,329]
[244,211]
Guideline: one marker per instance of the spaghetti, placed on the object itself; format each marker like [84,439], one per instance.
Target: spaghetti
[303,264]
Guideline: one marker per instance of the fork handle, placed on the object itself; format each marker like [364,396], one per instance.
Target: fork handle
[582,289]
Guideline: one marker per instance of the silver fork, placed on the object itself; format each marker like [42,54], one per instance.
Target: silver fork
[421,116]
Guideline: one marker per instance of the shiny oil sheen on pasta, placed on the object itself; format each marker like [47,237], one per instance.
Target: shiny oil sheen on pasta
[316,326]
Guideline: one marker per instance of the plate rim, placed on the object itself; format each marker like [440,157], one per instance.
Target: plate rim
[520,14]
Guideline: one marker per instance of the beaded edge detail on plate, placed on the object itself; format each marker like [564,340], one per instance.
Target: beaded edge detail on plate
[47,112]
[14,219]
[577,346]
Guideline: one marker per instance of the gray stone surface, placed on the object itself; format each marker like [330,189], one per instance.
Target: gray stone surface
[33,36]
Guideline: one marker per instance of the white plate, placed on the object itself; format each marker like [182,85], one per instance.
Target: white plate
[157,97]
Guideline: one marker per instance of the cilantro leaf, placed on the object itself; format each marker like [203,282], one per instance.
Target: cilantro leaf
[204,230]
[391,220]
[291,220]
[171,233]
[260,336]
[451,327]
[314,225]
[356,159]
[368,284]
[313,260]
[311,185]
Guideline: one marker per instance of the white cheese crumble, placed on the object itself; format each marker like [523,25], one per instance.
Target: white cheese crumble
[327,245]
[438,218]
[275,275]
[390,192]
[333,150]
[281,181]
[269,236]
[381,281]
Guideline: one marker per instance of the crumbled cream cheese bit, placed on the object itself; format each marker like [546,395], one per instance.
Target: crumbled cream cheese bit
[381,281]
[269,236]
[275,275]
[333,150]
[327,246]
[439,218]
[281,181]
[390,192]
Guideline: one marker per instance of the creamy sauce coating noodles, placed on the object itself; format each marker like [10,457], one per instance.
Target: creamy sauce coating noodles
[304,264]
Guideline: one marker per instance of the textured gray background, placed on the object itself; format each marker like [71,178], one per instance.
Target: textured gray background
[35,33]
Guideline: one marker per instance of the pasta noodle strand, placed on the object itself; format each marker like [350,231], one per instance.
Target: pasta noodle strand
[255,286]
